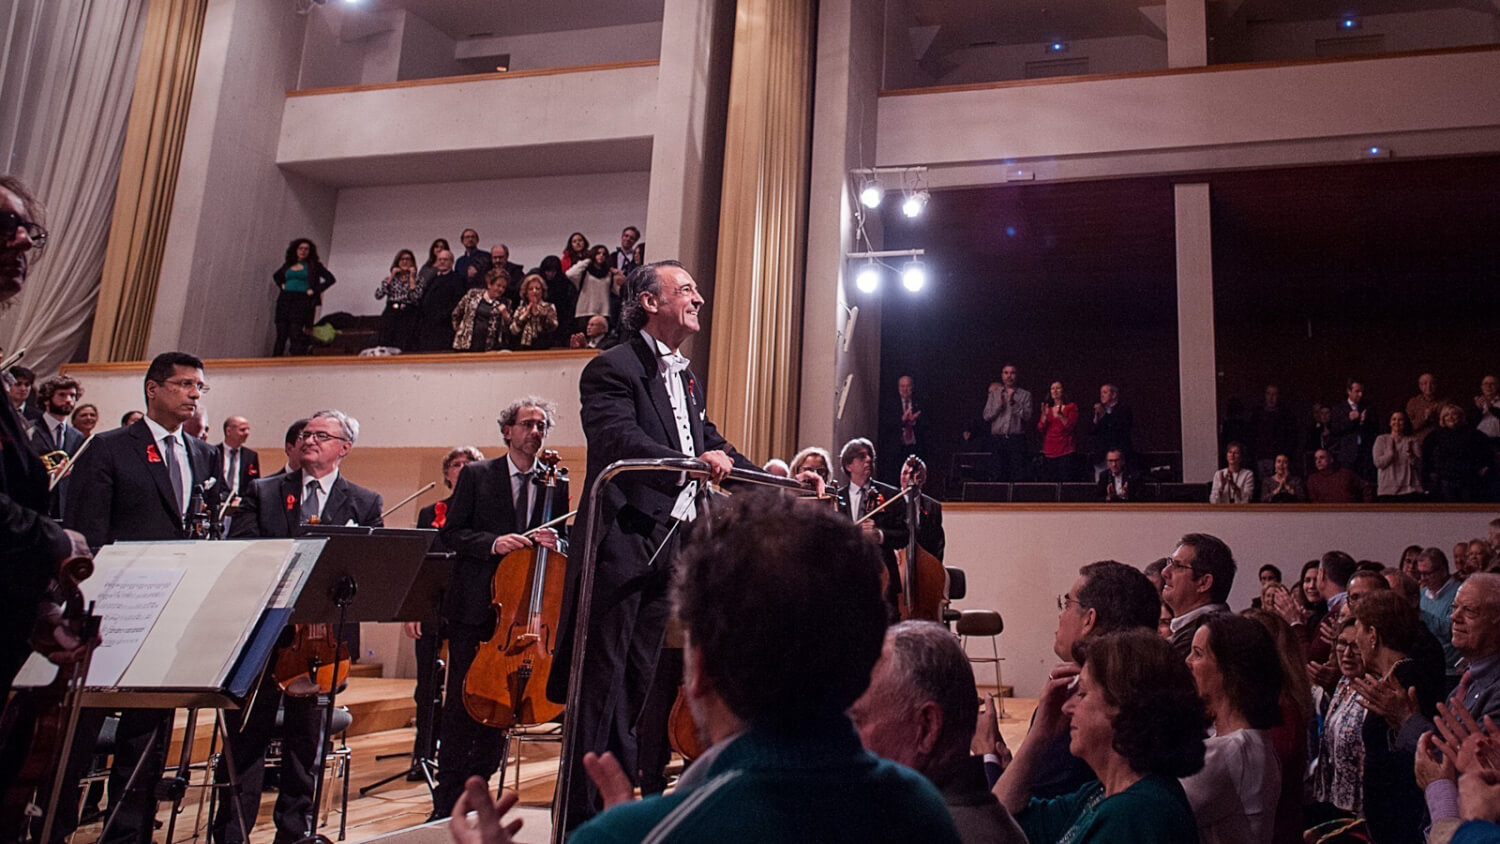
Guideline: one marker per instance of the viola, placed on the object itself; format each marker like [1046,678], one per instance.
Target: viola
[506,685]
[314,662]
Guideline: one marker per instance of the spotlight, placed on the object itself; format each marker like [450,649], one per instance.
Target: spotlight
[868,278]
[914,203]
[1349,22]
[913,276]
[1057,47]
[871,192]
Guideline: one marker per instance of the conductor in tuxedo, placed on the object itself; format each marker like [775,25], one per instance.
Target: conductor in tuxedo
[135,484]
[863,495]
[494,503]
[277,507]
[53,432]
[640,400]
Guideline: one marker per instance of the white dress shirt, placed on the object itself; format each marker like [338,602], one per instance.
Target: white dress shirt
[671,364]
[180,449]
[325,485]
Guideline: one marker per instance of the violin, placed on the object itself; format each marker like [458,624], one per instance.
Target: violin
[314,662]
[924,580]
[506,685]
[42,722]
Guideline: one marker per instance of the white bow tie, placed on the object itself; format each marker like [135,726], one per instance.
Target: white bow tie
[674,362]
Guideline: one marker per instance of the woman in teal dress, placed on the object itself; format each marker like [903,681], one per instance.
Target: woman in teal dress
[1135,718]
[301,279]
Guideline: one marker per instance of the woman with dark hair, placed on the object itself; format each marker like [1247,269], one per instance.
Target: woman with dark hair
[439,245]
[1385,628]
[301,280]
[1059,427]
[1297,731]
[561,294]
[1237,672]
[482,315]
[1408,564]
[1138,723]
[576,251]
[598,285]
[1398,462]
[402,291]
[1455,457]
[535,319]
[1281,486]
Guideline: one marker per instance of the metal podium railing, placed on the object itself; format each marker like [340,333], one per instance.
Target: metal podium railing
[677,465]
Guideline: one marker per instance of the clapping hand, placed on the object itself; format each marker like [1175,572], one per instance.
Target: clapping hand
[614,787]
[1385,697]
[487,826]
[1432,762]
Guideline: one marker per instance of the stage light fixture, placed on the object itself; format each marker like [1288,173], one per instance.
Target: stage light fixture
[871,192]
[914,276]
[915,203]
[868,278]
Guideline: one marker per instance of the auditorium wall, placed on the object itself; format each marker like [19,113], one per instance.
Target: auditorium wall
[533,216]
[1019,559]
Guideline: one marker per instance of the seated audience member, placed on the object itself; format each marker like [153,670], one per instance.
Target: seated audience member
[441,293]
[1422,408]
[1237,672]
[776,466]
[1408,564]
[402,291]
[473,264]
[1234,484]
[595,334]
[919,711]
[813,459]
[1119,482]
[535,319]
[1385,629]
[784,762]
[1486,413]
[561,294]
[86,419]
[481,317]
[301,280]
[1281,486]
[1337,777]
[1330,485]
[575,251]
[1456,458]
[1139,724]
[1398,462]
[1058,423]
[1291,735]
[500,257]
[598,285]
[1196,584]
[1439,590]
[1107,596]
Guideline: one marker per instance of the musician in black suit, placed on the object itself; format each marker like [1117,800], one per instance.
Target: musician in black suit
[861,496]
[277,507]
[640,400]
[494,503]
[238,463]
[930,533]
[53,431]
[136,484]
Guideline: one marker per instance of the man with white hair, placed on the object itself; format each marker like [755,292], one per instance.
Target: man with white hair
[276,507]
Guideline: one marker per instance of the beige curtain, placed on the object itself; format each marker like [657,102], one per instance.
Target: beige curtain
[757,294]
[148,179]
[67,70]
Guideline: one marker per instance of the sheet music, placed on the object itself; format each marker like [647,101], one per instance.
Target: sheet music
[129,605]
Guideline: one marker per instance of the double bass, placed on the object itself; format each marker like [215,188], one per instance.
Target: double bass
[506,685]
[924,580]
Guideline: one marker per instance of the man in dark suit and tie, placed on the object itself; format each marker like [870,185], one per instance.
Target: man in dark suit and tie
[624,257]
[640,400]
[53,432]
[862,496]
[136,484]
[238,464]
[277,507]
[494,503]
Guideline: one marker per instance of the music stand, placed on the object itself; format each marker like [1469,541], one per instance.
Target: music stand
[424,602]
[382,561]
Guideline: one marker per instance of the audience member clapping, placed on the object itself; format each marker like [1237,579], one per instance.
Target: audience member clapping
[1139,724]
[482,315]
[595,334]
[1456,458]
[1058,422]
[1297,726]
[1281,486]
[534,319]
[1237,672]
[561,293]
[1337,776]
[1486,413]
[402,291]
[1398,462]
[1234,484]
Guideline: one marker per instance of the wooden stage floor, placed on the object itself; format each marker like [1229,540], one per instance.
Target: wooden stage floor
[401,805]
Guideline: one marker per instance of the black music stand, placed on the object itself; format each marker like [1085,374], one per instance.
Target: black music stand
[363,574]
[424,602]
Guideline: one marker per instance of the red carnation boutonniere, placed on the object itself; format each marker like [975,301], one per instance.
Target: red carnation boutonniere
[253,471]
[439,514]
[291,501]
[879,500]
[152,455]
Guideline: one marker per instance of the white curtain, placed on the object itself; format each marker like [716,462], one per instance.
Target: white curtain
[66,77]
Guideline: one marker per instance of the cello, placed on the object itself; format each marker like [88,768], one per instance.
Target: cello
[506,685]
[924,580]
[314,660]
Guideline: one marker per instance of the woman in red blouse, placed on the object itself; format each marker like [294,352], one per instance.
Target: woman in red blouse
[1058,423]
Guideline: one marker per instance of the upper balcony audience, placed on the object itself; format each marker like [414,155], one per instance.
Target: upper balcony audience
[302,279]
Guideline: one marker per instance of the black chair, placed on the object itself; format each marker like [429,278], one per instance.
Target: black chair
[1182,493]
[1033,493]
[958,589]
[1077,493]
[986,491]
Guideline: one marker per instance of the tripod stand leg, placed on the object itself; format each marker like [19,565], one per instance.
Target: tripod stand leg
[184,770]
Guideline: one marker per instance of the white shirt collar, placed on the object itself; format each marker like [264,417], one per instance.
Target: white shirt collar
[514,469]
[667,358]
[1186,618]
[55,421]
[325,483]
[157,431]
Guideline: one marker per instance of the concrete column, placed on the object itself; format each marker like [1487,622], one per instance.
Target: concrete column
[687,152]
[1187,33]
[846,84]
[1197,370]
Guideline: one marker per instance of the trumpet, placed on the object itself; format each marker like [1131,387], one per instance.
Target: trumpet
[59,463]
